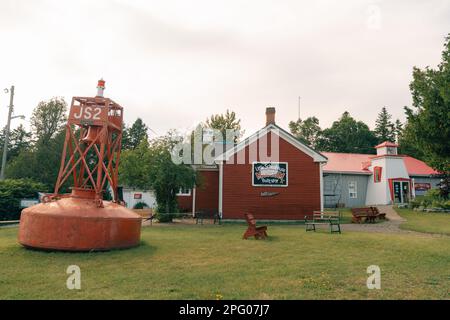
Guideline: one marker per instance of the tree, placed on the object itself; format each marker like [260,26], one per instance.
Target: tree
[429,119]
[166,177]
[407,144]
[150,166]
[19,141]
[40,163]
[347,135]
[307,131]
[134,167]
[384,128]
[224,122]
[133,136]
[398,129]
[48,118]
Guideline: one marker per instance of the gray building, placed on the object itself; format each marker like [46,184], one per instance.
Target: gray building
[357,180]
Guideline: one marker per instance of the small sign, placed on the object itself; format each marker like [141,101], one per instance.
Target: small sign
[25,203]
[138,195]
[422,186]
[269,194]
[270,174]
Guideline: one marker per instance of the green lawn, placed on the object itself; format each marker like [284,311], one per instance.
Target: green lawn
[425,222]
[199,262]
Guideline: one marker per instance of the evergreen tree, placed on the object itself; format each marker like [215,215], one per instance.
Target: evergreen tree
[133,136]
[384,128]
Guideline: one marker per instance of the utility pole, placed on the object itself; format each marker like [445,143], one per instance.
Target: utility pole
[299,98]
[8,125]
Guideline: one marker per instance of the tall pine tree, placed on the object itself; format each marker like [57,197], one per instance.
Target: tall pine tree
[384,128]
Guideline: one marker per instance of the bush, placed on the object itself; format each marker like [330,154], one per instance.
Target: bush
[167,217]
[12,191]
[431,199]
[414,203]
[140,205]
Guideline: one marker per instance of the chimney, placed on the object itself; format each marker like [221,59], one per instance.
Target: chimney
[270,116]
[100,87]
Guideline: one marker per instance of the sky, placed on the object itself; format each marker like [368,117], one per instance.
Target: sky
[175,63]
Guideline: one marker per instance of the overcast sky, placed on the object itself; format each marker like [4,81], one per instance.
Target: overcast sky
[174,63]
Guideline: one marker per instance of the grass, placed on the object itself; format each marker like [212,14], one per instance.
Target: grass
[425,222]
[200,262]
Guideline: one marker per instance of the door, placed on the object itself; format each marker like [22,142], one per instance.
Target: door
[405,191]
[397,191]
[401,191]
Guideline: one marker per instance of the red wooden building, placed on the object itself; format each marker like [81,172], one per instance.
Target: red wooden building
[270,174]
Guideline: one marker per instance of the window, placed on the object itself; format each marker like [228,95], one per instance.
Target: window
[184,192]
[352,192]
[377,174]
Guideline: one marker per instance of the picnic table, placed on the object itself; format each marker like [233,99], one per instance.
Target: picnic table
[369,214]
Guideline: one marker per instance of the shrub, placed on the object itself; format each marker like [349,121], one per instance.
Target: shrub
[446,205]
[414,203]
[433,198]
[12,191]
[167,217]
[140,205]
[164,217]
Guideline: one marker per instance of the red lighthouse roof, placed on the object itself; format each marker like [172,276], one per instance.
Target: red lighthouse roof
[355,163]
[386,144]
[415,167]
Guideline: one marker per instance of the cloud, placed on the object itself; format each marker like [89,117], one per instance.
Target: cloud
[174,63]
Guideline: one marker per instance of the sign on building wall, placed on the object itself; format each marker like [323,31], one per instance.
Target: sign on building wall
[270,174]
[422,186]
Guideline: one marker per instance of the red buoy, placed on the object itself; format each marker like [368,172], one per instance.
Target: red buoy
[82,220]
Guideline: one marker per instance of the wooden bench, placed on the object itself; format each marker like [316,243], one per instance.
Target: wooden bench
[207,214]
[323,218]
[358,214]
[252,230]
[369,214]
[378,214]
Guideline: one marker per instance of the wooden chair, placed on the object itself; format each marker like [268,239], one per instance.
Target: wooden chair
[252,230]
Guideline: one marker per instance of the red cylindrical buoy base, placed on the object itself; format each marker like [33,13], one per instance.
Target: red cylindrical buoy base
[77,224]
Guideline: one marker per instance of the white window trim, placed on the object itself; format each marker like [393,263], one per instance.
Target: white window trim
[355,193]
[182,194]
